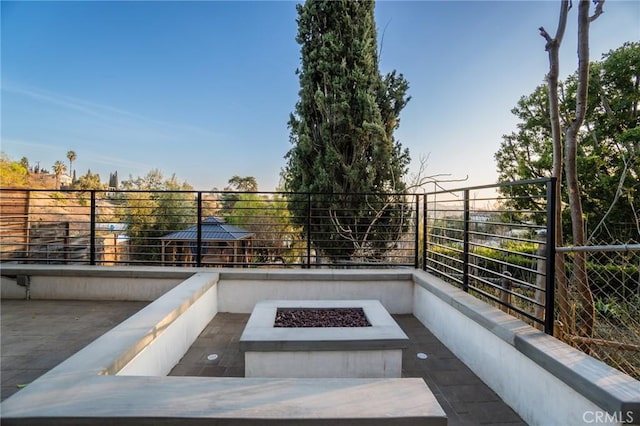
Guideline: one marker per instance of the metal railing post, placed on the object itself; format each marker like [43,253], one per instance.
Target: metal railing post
[416,259]
[424,232]
[549,308]
[465,243]
[199,230]
[308,231]
[92,232]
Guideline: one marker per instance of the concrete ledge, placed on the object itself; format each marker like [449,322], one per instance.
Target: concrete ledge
[522,364]
[174,322]
[607,387]
[318,274]
[12,269]
[240,291]
[82,282]
[231,401]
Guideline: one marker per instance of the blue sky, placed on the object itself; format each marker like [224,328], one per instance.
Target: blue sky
[204,89]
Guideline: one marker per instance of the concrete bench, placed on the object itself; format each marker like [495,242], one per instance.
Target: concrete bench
[230,401]
[120,379]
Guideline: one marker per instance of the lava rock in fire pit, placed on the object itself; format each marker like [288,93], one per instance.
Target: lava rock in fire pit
[321,317]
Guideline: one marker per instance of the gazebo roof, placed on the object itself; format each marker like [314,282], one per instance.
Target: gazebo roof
[213,229]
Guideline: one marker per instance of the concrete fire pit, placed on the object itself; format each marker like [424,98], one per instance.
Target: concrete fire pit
[315,352]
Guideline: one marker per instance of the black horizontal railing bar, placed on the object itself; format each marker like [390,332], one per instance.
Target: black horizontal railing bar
[527,212]
[447,235]
[512,266]
[500,302]
[442,273]
[459,219]
[480,209]
[514,280]
[490,186]
[539,199]
[519,296]
[455,205]
[514,210]
[513,225]
[437,260]
[449,248]
[505,237]
[443,230]
[503,250]
[437,256]
[446,228]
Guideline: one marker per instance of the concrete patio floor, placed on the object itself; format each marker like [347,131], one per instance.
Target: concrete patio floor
[38,335]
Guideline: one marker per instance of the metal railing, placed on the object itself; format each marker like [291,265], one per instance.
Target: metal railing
[494,242]
[195,228]
[480,240]
[481,249]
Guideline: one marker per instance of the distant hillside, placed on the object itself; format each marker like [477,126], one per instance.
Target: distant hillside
[67,207]
[14,174]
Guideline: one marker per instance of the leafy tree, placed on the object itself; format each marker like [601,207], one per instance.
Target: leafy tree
[237,183]
[608,157]
[247,184]
[270,220]
[59,168]
[12,173]
[612,155]
[154,207]
[24,161]
[71,155]
[113,179]
[88,182]
[342,134]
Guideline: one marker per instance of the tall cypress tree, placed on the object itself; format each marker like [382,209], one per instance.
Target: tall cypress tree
[342,134]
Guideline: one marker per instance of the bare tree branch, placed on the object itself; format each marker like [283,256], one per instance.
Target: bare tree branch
[565,6]
[382,39]
[619,190]
[546,35]
[599,4]
[418,180]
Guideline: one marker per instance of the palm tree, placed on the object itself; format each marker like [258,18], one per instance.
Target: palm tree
[59,168]
[71,155]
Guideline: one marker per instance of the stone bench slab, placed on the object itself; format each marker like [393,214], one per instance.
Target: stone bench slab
[229,401]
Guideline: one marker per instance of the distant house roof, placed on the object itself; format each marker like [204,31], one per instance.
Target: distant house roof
[213,229]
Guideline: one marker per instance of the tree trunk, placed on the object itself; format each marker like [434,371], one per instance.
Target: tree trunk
[585,312]
[553,48]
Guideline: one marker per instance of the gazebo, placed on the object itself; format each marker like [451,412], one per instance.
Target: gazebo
[222,244]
